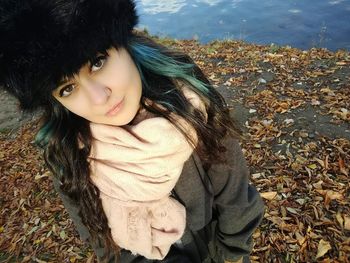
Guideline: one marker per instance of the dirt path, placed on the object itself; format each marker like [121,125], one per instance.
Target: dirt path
[11,118]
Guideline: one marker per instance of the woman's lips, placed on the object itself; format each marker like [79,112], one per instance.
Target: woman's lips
[115,108]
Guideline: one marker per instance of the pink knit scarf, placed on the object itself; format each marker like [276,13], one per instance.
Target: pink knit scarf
[135,167]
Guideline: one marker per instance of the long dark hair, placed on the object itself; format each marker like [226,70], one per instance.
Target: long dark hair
[66,137]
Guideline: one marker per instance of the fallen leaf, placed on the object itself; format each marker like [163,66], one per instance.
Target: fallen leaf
[340,219]
[257,175]
[347,222]
[91,258]
[331,194]
[268,195]
[63,235]
[301,239]
[323,248]
[342,166]
[318,185]
[341,63]
[292,210]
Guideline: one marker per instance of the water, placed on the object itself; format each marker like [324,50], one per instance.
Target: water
[302,24]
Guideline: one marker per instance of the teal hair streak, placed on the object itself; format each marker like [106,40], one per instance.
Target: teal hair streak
[43,137]
[152,59]
[44,134]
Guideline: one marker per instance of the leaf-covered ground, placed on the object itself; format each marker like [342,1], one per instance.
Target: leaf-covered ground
[294,108]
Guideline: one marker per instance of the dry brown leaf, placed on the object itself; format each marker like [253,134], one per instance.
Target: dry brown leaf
[341,63]
[340,219]
[318,185]
[347,222]
[342,166]
[301,239]
[90,259]
[323,248]
[268,195]
[331,194]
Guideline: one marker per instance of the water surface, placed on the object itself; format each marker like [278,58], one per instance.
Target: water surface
[301,24]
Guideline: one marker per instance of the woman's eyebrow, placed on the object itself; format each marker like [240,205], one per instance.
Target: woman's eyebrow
[63,82]
[61,85]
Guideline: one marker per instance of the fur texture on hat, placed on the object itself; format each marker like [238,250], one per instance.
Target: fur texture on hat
[43,41]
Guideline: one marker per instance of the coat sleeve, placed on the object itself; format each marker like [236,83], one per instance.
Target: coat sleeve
[174,255]
[72,208]
[237,205]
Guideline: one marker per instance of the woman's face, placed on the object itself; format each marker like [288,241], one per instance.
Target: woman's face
[107,91]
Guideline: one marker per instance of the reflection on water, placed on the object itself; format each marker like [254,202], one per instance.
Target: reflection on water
[210,2]
[295,11]
[170,6]
[302,24]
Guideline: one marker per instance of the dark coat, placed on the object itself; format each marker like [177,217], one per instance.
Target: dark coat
[222,211]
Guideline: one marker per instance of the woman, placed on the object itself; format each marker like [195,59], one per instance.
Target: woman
[141,147]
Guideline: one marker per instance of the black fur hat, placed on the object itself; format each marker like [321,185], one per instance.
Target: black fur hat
[42,41]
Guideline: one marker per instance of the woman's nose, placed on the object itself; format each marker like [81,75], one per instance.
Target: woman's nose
[97,92]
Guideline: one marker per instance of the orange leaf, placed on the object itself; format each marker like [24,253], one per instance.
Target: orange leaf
[342,166]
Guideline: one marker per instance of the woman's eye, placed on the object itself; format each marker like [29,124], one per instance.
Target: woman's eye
[98,63]
[67,90]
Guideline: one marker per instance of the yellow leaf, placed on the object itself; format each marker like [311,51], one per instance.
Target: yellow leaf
[320,162]
[323,247]
[334,195]
[347,222]
[1,229]
[63,235]
[269,195]
[301,239]
[312,166]
[339,219]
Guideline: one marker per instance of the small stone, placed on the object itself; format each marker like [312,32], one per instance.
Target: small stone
[311,135]
[315,102]
[288,121]
[262,81]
